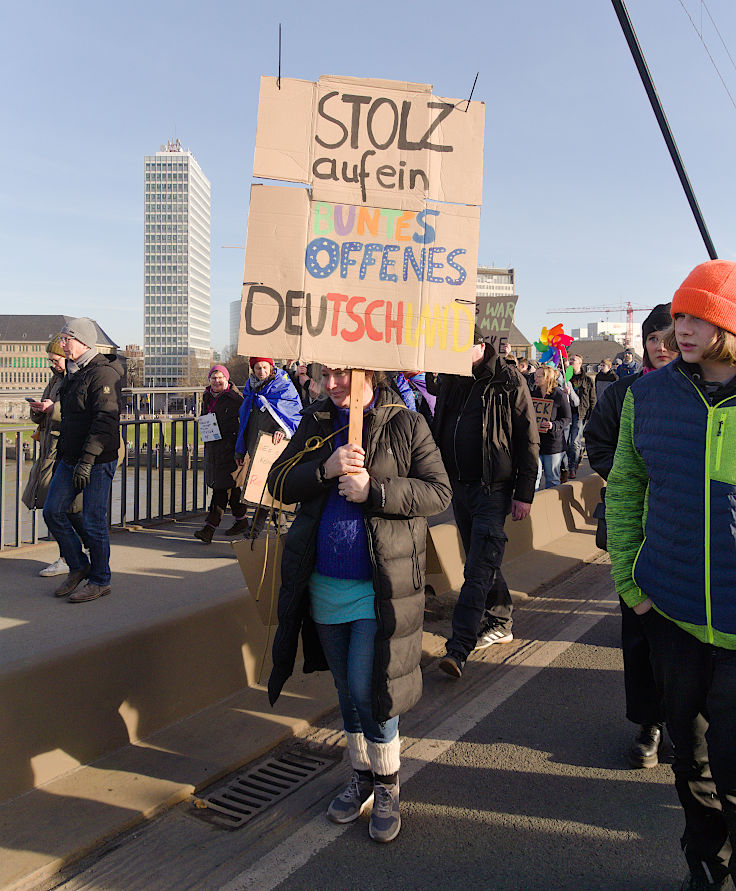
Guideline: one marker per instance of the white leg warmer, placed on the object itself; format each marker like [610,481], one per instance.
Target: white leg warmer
[357,751]
[385,758]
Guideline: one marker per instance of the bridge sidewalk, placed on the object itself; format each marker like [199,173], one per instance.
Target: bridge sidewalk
[162,675]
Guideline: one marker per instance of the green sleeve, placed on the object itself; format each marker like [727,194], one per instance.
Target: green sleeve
[626,495]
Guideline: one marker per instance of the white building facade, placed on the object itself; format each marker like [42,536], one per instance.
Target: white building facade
[492,281]
[176,267]
[234,327]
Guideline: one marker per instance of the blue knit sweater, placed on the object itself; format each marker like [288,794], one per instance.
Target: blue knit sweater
[342,539]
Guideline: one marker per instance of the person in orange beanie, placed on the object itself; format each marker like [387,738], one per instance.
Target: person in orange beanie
[671,512]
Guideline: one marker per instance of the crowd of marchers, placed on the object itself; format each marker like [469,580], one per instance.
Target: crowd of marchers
[662,434]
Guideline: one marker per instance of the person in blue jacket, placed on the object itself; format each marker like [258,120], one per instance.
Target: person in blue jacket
[271,404]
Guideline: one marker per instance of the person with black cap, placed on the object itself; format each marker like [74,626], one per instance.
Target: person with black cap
[486,430]
[89,442]
[643,702]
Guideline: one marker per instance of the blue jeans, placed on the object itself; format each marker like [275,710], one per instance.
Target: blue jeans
[60,496]
[551,465]
[575,442]
[348,648]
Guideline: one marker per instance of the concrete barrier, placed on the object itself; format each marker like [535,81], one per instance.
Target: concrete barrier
[559,532]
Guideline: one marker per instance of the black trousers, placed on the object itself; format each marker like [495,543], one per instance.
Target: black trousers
[480,518]
[643,701]
[221,498]
[698,685]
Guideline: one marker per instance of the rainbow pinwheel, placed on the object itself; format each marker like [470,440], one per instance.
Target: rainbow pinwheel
[553,344]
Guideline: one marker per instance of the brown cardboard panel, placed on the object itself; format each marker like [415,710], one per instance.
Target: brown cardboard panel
[366,141]
[283,142]
[445,555]
[260,563]
[359,286]
[266,454]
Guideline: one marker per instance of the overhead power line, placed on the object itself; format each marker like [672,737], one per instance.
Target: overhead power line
[705,46]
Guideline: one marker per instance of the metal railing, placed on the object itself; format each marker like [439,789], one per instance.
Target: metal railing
[160,478]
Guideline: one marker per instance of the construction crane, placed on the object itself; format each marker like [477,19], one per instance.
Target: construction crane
[629,309]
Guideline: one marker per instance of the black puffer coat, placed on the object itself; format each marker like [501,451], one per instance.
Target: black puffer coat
[408,484]
[219,455]
[90,411]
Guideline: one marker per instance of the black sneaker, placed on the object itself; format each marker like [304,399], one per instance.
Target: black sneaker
[644,750]
[452,665]
[701,878]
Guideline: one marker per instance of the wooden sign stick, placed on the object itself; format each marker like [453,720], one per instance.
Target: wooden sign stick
[355,424]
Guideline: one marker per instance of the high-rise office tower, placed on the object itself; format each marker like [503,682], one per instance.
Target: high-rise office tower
[176,274]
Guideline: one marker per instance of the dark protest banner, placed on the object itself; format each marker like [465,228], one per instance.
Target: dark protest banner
[494,316]
[375,266]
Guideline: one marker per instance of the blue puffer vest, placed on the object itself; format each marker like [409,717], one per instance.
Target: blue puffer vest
[687,562]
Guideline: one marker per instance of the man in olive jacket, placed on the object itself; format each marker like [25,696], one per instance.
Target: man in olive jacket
[89,440]
[487,434]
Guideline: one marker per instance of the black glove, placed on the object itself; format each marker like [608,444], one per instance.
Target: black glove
[82,471]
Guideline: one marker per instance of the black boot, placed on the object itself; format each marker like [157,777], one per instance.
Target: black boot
[644,749]
[205,534]
[238,526]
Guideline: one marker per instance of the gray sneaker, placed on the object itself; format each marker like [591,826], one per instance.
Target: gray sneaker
[385,818]
[73,580]
[89,592]
[351,802]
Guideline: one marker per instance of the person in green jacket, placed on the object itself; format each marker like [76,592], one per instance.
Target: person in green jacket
[671,511]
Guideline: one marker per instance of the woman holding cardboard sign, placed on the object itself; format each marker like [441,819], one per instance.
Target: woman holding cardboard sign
[551,430]
[271,404]
[352,575]
[218,426]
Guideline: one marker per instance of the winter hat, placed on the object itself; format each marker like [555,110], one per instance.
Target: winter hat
[254,359]
[709,293]
[53,347]
[657,320]
[219,368]
[82,330]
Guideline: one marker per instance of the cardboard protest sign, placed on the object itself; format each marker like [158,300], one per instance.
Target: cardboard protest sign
[543,410]
[367,141]
[265,456]
[375,266]
[349,286]
[494,316]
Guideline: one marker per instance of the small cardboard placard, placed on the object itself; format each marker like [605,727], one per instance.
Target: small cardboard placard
[494,316]
[209,429]
[543,410]
[266,454]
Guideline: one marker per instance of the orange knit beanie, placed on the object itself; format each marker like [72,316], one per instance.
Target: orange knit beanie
[709,293]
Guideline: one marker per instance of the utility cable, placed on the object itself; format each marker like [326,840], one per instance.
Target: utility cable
[705,46]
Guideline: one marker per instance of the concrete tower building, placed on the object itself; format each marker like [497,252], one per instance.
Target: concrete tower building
[234,327]
[176,274]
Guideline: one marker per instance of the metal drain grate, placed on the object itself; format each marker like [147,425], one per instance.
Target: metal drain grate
[249,794]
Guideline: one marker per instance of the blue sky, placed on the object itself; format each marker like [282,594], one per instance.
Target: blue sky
[580,195]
